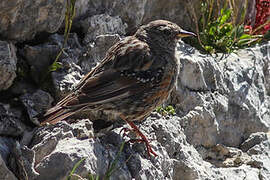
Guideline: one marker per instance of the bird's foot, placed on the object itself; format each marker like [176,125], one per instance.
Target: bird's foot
[139,133]
[147,144]
[125,130]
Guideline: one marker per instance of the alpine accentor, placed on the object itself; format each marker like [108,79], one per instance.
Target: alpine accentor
[137,75]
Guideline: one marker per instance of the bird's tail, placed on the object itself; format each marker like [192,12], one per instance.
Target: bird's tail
[56,114]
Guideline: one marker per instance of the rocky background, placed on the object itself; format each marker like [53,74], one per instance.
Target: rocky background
[220,129]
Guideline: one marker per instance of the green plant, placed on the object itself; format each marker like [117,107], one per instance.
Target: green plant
[168,110]
[70,14]
[220,27]
[71,174]
[112,167]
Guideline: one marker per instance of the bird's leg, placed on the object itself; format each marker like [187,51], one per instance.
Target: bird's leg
[139,133]
[125,130]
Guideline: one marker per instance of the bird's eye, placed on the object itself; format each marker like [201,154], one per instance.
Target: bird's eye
[167,32]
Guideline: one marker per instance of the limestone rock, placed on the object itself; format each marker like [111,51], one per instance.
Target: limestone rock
[10,121]
[5,173]
[21,20]
[8,61]
[6,145]
[221,102]
[36,103]
[260,155]
[102,25]
[96,51]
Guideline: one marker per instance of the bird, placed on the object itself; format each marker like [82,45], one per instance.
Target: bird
[136,76]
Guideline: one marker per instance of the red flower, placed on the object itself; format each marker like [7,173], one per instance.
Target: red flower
[262,15]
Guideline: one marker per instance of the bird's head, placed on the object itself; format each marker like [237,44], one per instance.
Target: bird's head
[162,30]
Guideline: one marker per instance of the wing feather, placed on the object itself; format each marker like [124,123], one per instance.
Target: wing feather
[105,83]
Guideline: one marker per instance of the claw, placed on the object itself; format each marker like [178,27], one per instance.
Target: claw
[125,130]
[147,144]
[139,133]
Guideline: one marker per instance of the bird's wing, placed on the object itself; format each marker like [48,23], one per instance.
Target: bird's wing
[118,76]
[110,81]
[129,53]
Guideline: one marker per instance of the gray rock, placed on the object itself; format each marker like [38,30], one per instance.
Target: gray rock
[46,138]
[221,103]
[266,72]
[201,73]
[59,146]
[21,87]
[223,157]
[5,173]
[64,80]
[261,158]
[183,161]
[178,11]
[8,61]
[96,51]
[241,173]
[63,145]
[6,145]
[66,77]
[19,163]
[101,25]
[131,12]
[21,20]
[36,103]
[10,121]
[254,139]
[266,69]
[138,12]
[39,58]
[83,129]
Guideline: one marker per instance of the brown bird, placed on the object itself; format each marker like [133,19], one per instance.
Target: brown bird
[137,75]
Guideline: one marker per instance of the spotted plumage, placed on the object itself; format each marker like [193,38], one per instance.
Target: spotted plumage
[137,75]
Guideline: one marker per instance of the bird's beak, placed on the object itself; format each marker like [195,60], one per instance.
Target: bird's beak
[184,33]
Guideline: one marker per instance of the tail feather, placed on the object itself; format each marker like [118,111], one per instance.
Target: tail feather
[56,114]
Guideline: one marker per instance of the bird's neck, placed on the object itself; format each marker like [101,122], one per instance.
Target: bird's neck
[157,42]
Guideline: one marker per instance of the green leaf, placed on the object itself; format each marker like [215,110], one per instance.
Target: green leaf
[113,167]
[209,48]
[212,30]
[245,36]
[55,66]
[225,16]
[75,167]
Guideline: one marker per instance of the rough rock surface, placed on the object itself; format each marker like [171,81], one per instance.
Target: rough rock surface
[220,129]
[5,148]
[138,12]
[100,25]
[62,146]
[226,105]
[36,103]
[8,62]
[10,121]
[223,98]
[21,20]
[5,173]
